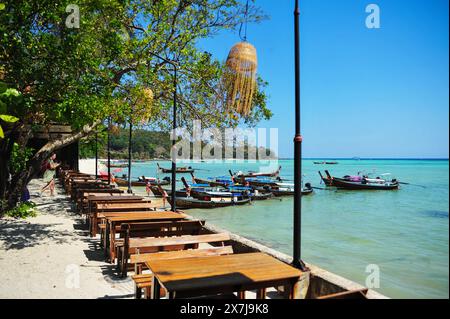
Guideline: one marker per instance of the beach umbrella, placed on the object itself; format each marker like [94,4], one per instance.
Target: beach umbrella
[239,77]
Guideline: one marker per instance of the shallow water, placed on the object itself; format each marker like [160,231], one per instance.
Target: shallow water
[404,232]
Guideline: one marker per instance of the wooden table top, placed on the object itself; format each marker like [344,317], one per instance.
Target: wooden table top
[220,271]
[132,205]
[112,197]
[133,216]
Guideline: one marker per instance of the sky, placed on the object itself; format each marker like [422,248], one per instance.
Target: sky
[369,93]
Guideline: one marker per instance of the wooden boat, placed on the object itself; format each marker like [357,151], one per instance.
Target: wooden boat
[190,202]
[157,191]
[289,191]
[255,174]
[201,191]
[252,193]
[181,170]
[141,183]
[261,196]
[364,183]
[212,183]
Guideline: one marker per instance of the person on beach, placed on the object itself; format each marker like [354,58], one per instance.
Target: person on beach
[49,175]
[147,188]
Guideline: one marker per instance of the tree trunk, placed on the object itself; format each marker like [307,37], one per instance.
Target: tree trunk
[20,180]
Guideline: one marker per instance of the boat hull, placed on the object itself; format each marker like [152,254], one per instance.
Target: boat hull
[341,183]
[124,182]
[187,203]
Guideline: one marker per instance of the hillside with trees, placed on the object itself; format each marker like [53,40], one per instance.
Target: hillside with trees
[145,145]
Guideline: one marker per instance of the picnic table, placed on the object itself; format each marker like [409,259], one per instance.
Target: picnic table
[203,276]
[112,221]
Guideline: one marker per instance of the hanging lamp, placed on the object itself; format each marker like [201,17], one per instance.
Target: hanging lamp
[239,78]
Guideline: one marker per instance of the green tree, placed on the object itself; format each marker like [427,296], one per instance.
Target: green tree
[80,76]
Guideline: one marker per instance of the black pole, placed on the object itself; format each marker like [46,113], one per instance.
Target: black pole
[174,126]
[96,155]
[129,158]
[109,150]
[297,262]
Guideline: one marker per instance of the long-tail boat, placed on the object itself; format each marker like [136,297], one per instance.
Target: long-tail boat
[213,183]
[359,182]
[181,170]
[201,191]
[260,174]
[190,202]
[143,181]
[253,193]
[288,190]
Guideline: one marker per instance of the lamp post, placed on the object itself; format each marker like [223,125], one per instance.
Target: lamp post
[297,262]
[109,150]
[174,126]
[129,191]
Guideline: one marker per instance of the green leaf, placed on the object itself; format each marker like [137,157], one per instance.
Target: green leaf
[2,135]
[2,6]
[8,118]
[3,87]
[2,107]
[11,92]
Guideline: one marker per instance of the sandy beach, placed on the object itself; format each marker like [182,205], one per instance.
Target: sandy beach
[51,255]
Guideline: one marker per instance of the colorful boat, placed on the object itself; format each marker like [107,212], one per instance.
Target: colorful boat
[359,182]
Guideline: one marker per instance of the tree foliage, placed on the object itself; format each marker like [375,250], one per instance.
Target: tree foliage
[80,76]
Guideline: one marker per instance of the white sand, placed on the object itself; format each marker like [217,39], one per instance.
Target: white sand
[87,166]
[47,256]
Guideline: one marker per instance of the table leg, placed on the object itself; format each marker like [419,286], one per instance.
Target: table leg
[261,293]
[156,288]
[106,243]
[112,239]
[294,290]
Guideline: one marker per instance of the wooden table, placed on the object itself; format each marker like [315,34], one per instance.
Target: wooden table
[130,217]
[190,277]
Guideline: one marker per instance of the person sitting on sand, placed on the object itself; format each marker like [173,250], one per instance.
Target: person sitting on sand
[49,175]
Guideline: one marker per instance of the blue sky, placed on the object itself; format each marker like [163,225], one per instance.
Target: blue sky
[364,92]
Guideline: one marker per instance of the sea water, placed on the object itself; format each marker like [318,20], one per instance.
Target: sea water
[402,233]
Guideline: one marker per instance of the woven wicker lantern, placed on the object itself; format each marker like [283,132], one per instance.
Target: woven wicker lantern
[240,77]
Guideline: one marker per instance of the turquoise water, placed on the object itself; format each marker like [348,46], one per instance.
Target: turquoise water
[405,232]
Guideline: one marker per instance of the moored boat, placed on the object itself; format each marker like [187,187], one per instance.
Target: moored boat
[190,202]
[180,170]
[141,182]
[210,182]
[259,174]
[359,182]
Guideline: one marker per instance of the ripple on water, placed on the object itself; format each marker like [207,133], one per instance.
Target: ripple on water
[435,213]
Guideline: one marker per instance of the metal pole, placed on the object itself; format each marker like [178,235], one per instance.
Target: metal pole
[129,158]
[174,126]
[297,262]
[109,150]
[96,155]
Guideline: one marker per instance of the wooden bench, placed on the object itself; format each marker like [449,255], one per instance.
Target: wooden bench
[86,187]
[98,220]
[158,244]
[113,224]
[144,281]
[91,209]
[83,194]
[72,183]
[152,229]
